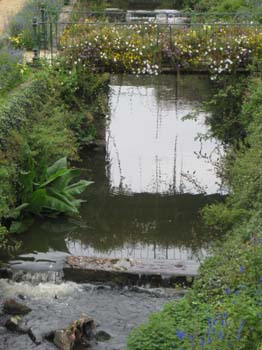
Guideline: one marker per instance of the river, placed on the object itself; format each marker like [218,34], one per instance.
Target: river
[153,174]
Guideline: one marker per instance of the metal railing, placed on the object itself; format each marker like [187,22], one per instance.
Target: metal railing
[49,27]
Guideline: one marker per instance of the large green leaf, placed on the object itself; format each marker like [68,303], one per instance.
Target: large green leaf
[42,200]
[58,165]
[59,202]
[78,187]
[77,202]
[37,201]
[60,183]
[53,196]
[53,177]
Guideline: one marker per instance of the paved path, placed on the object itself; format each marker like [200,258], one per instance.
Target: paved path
[8,8]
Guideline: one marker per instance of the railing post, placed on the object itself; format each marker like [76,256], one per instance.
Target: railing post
[51,40]
[157,35]
[43,27]
[35,35]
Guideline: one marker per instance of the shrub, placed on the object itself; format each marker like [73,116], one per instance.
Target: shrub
[38,122]
[146,48]
[50,193]
[12,68]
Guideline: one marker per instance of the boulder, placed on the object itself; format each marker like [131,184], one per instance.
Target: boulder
[12,307]
[37,339]
[6,273]
[102,336]
[13,325]
[81,332]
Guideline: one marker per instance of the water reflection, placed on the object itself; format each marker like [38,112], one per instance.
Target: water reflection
[151,181]
[150,147]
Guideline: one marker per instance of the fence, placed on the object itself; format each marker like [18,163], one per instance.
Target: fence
[50,39]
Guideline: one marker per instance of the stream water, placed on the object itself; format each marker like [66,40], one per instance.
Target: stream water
[152,178]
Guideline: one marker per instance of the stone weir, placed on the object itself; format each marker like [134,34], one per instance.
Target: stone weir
[153,273]
[120,272]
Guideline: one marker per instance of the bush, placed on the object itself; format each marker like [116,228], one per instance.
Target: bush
[40,123]
[222,6]
[12,68]
[224,109]
[147,48]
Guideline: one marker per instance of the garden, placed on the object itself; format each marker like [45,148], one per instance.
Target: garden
[151,48]
[49,113]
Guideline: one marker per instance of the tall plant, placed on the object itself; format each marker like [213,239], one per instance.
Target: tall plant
[54,195]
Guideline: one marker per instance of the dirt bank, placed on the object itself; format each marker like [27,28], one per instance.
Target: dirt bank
[8,8]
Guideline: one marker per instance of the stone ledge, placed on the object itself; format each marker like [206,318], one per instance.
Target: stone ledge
[156,273]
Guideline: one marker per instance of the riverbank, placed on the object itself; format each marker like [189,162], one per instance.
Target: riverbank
[42,120]
[223,309]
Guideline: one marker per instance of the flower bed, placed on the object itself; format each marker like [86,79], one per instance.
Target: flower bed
[149,48]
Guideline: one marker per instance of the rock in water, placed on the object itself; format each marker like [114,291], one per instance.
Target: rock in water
[6,273]
[81,332]
[12,307]
[103,336]
[13,325]
[63,340]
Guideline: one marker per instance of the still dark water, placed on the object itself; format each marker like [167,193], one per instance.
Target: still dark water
[151,180]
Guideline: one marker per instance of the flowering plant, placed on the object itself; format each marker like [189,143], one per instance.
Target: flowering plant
[148,48]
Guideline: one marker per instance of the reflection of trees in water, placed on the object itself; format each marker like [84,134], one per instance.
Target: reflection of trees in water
[114,222]
[169,89]
[147,219]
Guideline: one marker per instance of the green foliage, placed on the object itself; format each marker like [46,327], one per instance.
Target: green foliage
[53,195]
[39,124]
[220,218]
[225,118]
[192,324]
[56,193]
[7,245]
[147,48]
[229,6]
[12,68]
[7,195]
[198,5]
[78,83]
